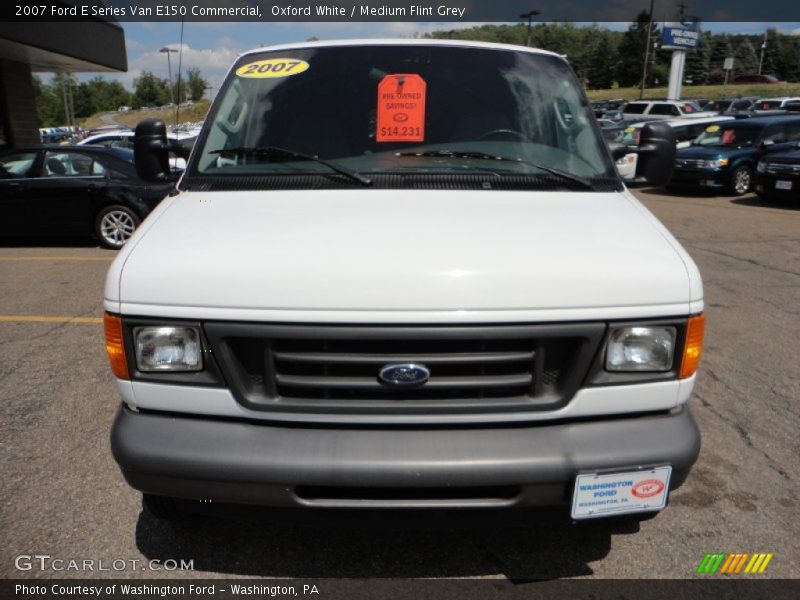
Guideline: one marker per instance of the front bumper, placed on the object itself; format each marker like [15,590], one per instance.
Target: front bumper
[704,179]
[766,185]
[252,463]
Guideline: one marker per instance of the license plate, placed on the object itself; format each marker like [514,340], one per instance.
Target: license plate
[609,494]
[783,185]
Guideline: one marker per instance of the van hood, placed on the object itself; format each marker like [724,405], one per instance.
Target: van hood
[302,255]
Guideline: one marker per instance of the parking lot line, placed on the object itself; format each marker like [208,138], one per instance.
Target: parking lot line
[47,319]
[94,258]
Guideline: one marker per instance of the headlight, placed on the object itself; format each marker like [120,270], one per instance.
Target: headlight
[640,349]
[761,167]
[716,163]
[168,349]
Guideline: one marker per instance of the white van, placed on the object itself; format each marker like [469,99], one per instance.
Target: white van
[404,274]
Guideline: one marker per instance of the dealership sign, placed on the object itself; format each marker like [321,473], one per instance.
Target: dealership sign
[684,35]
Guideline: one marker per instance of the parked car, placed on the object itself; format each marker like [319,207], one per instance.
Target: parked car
[600,107]
[778,176]
[725,155]
[74,190]
[420,293]
[754,78]
[124,139]
[731,105]
[685,131]
[614,115]
[663,109]
[768,104]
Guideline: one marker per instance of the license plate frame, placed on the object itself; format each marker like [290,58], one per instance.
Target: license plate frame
[635,490]
[782,184]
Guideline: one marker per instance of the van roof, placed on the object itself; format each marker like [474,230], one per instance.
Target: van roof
[401,42]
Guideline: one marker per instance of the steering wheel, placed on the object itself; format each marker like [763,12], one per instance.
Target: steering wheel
[518,135]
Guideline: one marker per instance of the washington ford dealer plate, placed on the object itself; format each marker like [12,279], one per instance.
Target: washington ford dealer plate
[608,494]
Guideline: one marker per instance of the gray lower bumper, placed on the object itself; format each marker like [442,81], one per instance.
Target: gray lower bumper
[253,463]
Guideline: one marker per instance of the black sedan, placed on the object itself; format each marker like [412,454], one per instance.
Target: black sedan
[74,190]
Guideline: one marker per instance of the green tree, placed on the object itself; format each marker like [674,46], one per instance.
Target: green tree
[196,84]
[149,90]
[720,49]
[601,66]
[784,57]
[632,50]
[697,63]
[746,57]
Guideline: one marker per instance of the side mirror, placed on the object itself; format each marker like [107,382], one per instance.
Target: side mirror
[618,149]
[656,154]
[150,151]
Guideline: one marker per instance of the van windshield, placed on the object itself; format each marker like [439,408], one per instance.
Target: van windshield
[401,110]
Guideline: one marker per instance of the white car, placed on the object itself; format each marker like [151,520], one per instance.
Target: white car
[124,139]
[431,290]
[685,131]
[767,104]
[663,109]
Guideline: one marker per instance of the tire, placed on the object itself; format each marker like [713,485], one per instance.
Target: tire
[114,225]
[162,508]
[741,181]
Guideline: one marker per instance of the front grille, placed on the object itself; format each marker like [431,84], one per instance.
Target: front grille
[336,369]
[783,169]
[348,369]
[690,163]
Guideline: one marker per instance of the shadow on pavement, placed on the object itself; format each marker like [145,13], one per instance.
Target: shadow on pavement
[756,201]
[679,192]
[522,547]
[47,242]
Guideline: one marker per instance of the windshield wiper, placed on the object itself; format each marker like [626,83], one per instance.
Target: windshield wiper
[486,156]
[275,153]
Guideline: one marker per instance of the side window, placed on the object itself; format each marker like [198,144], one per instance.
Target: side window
[635,108]
[98,169]
[17,165]
[68,164]
[661,109]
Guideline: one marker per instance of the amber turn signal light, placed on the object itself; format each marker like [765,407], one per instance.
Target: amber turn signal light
[693,347]
[115,346]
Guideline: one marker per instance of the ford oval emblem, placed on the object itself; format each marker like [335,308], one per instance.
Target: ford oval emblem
[406,374]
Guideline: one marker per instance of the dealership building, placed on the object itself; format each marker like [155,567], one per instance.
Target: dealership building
[31,47]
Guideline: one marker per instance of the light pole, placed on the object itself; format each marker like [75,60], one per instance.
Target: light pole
[763,48]
[529,15]
[647,50]
[169,51]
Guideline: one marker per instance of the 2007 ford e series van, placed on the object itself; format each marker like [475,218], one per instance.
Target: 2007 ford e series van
[404,274]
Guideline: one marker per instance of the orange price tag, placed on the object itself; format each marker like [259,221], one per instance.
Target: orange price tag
[401,109]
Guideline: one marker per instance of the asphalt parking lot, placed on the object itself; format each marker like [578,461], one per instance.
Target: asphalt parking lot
[63,496]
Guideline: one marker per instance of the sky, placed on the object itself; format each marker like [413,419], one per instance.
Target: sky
[212,47]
